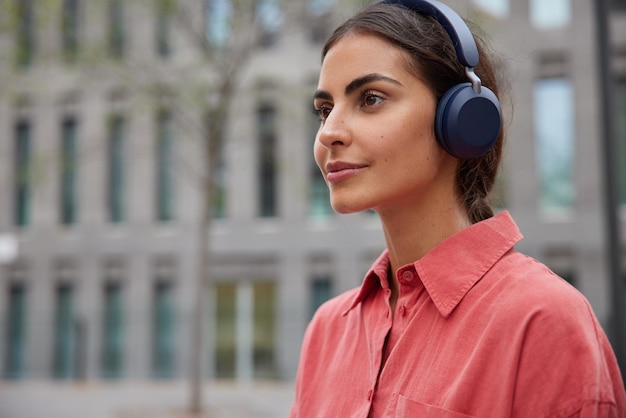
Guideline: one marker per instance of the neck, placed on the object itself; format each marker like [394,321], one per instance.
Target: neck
[411,231]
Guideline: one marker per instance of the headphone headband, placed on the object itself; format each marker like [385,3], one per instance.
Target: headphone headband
[459,33]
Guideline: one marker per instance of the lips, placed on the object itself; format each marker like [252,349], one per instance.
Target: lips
[339,170]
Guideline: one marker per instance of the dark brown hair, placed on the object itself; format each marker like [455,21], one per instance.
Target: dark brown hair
[434,61]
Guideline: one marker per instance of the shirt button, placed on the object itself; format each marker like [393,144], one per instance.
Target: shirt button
[369,395]
[402,310]
[408,275]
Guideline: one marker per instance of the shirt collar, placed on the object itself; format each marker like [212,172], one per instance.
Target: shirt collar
[473,251]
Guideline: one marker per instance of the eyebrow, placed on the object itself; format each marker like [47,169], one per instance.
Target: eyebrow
[356,84]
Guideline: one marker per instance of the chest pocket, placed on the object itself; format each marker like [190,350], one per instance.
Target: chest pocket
[408,408]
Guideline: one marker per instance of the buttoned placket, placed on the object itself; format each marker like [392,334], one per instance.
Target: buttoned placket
[409,293]
[393,326]
[380,334]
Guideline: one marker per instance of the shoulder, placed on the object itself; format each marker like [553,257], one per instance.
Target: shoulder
[533,286]
[565,362]
[522,293]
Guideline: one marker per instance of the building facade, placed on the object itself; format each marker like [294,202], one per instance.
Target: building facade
[99,186]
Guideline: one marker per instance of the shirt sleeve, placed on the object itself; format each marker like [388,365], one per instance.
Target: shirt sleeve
[567,367]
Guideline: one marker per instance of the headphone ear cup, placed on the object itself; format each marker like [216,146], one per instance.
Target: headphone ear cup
[467,124]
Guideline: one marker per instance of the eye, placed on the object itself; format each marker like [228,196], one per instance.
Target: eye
[322,111]
[370,99]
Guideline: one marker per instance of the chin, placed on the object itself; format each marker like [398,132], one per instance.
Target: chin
[347,208]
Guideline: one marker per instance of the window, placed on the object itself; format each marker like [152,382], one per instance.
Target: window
[69,163]
[270,17]
[320,7]
[16,331]
[165,167]
[70,29]
[116,28]
[498,8]
[555,144]
[246,329]
[319,19]
[218,22]
[550,14]
[620,132]
[319,194]
[220,185]
[116,165]
[22,174]
[267,174]
[165,14]
[264,334]
[163,344]
[25,45]
[113,331]
[225,332]
[64,338]
[321,291]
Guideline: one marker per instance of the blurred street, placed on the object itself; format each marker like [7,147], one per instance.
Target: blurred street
[39,399]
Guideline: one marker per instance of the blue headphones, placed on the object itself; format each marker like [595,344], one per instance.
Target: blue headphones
[468,118]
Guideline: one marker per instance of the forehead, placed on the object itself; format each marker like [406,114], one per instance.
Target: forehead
[362,53]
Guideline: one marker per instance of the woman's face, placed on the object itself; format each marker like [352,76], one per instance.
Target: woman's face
[376,145]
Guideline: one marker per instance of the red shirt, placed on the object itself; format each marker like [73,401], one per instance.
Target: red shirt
[480,330]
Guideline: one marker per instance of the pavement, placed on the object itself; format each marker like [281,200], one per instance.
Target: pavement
[151,399]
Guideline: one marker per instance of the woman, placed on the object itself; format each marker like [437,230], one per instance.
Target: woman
[450,321]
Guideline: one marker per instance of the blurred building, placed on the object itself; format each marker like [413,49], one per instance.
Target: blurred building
[97,181]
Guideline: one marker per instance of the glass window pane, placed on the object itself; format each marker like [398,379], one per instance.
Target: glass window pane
[218,21]
[22,174]
[498,8]
[550,14]
[220,184]
[116,28]
[165,167]
[270,16]
[165,14]
[321,291]
[320,7]
[267,165]
[25,27]
[225,320]
[64,337]
[15,331]
[113,331]
[264,330]
[555,144]
[163,344]
[620,132]
[70,29]
[69,162]
[117,158]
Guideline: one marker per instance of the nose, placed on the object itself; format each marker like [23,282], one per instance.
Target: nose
[334,130]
